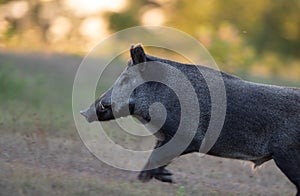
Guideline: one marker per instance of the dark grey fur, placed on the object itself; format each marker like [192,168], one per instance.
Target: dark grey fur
[262,121]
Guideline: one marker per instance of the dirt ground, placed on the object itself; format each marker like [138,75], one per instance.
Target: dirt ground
[31,164]
[36,162]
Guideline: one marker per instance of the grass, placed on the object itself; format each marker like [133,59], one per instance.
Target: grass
[32,181]
[32,97]
[11,85]
[180,191]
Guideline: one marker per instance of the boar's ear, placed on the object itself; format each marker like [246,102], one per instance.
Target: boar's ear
[137,54]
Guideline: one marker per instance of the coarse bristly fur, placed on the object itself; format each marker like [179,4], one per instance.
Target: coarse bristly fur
[262,122]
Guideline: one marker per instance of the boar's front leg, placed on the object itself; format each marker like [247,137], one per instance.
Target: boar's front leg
[160,173]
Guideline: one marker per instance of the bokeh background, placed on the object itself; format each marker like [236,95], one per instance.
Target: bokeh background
[261,38]
[42,43]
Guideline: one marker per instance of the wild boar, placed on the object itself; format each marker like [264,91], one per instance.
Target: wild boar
[262,122]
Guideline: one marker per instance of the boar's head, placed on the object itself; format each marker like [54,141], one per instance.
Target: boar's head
[108,107]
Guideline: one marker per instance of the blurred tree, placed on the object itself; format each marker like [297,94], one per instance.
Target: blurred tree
[4,1]
[270,25]
[119,21]
[235,31]
[130,16]
[266,25]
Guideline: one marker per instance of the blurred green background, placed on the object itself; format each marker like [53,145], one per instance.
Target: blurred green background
[42,43]
[258,37]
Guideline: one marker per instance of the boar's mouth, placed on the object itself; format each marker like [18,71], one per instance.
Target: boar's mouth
[101,111]
[98,113]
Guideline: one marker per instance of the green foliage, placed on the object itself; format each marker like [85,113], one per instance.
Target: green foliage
[259,38]
[260,26]
[270,26]
[4,1]
[119,21]
[10,32]
[129,17]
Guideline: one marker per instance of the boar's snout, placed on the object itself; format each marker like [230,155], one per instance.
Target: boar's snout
[89,114]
